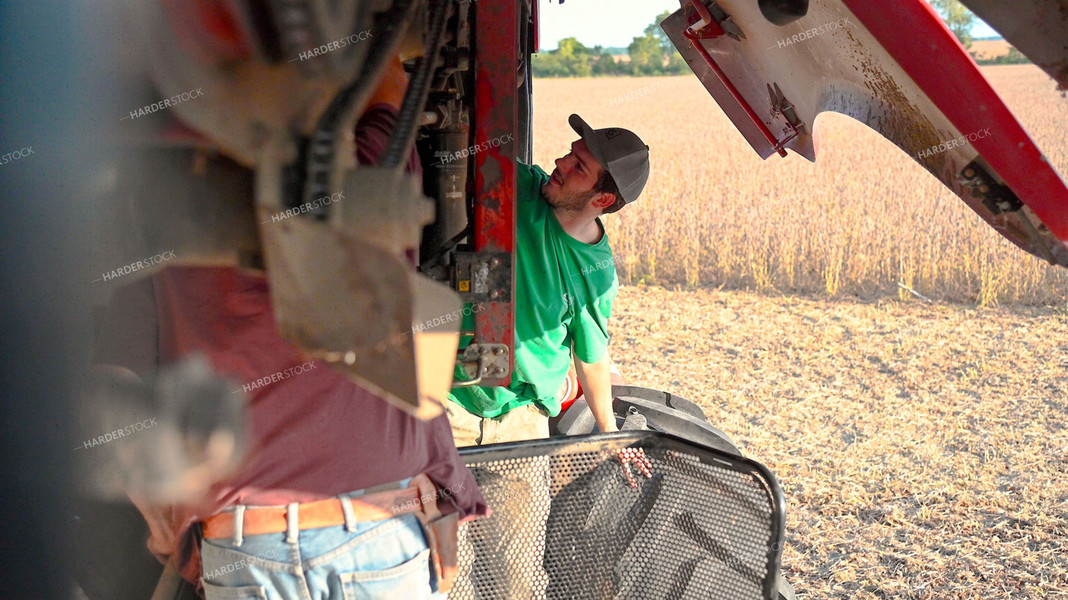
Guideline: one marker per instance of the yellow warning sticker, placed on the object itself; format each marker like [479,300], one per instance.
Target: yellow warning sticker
[465,285]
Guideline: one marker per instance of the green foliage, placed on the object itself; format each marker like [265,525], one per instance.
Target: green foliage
[549,65]
[570,48]
[570,59]
[646,57]
[651,54]
[1013,57]
[655,31]
[677,65]
[606,65]
[958,18]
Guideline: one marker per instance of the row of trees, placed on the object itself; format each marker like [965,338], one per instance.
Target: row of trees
[1013,57]
[960,20]
[654,54]
[651,54]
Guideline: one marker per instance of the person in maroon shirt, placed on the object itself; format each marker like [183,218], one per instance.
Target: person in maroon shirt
[329,498]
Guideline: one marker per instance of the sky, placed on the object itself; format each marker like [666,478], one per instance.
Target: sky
[616,22]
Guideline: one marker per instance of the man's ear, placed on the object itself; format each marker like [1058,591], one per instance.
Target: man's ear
[603,200]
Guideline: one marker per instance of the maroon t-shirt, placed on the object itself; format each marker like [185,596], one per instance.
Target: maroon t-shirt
[372,133]
[313,435]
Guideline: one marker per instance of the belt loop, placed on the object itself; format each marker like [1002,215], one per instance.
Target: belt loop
[350,515]
[292,524]
[239,524]
[428,496]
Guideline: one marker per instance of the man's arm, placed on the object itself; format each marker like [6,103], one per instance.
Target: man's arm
[393,85]
[596,380]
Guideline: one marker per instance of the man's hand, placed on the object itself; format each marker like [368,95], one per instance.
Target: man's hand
[634,457]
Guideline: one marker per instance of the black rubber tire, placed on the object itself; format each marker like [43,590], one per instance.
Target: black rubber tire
[663,411]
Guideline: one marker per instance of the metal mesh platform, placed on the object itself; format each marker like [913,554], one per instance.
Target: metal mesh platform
[567,525]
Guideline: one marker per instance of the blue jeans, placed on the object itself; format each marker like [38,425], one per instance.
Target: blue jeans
[377,559]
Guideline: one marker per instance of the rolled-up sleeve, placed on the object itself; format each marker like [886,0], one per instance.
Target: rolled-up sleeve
[372,134]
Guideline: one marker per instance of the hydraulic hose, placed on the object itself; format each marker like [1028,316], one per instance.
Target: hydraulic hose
[400,143]
[349,102]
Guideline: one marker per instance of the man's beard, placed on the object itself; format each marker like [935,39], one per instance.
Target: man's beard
[569,202]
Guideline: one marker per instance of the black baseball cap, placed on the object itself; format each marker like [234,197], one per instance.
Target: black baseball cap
[622,153]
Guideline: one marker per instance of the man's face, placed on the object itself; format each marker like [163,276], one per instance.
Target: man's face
[571,185]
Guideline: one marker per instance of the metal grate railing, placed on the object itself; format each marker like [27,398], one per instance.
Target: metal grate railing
[567,525]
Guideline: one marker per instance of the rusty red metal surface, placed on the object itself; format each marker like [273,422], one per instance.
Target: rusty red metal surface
[955,84]
[496,114]
[897,68]
[738,97]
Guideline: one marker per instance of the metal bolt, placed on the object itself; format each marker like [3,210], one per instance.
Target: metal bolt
[495,294]
[969,172]
[495,262]
[498,350]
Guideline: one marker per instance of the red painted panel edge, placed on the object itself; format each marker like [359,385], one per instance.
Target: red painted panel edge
[946,73]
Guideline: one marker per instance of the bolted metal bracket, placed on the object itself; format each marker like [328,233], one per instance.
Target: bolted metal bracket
[996,198]
[781,106]
[484,276]
[711,21]
[483,361]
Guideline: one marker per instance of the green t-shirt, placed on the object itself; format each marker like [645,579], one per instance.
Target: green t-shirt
[564,291]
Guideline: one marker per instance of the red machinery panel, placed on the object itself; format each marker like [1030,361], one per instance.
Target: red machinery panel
[496,110]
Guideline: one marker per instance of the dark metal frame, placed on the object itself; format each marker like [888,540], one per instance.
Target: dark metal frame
[610,442]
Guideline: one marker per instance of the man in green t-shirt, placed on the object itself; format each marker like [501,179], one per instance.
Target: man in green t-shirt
[565,286]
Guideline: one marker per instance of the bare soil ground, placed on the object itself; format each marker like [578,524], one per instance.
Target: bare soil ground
[922,448]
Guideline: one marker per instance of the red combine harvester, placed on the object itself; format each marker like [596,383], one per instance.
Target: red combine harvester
[710,523]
